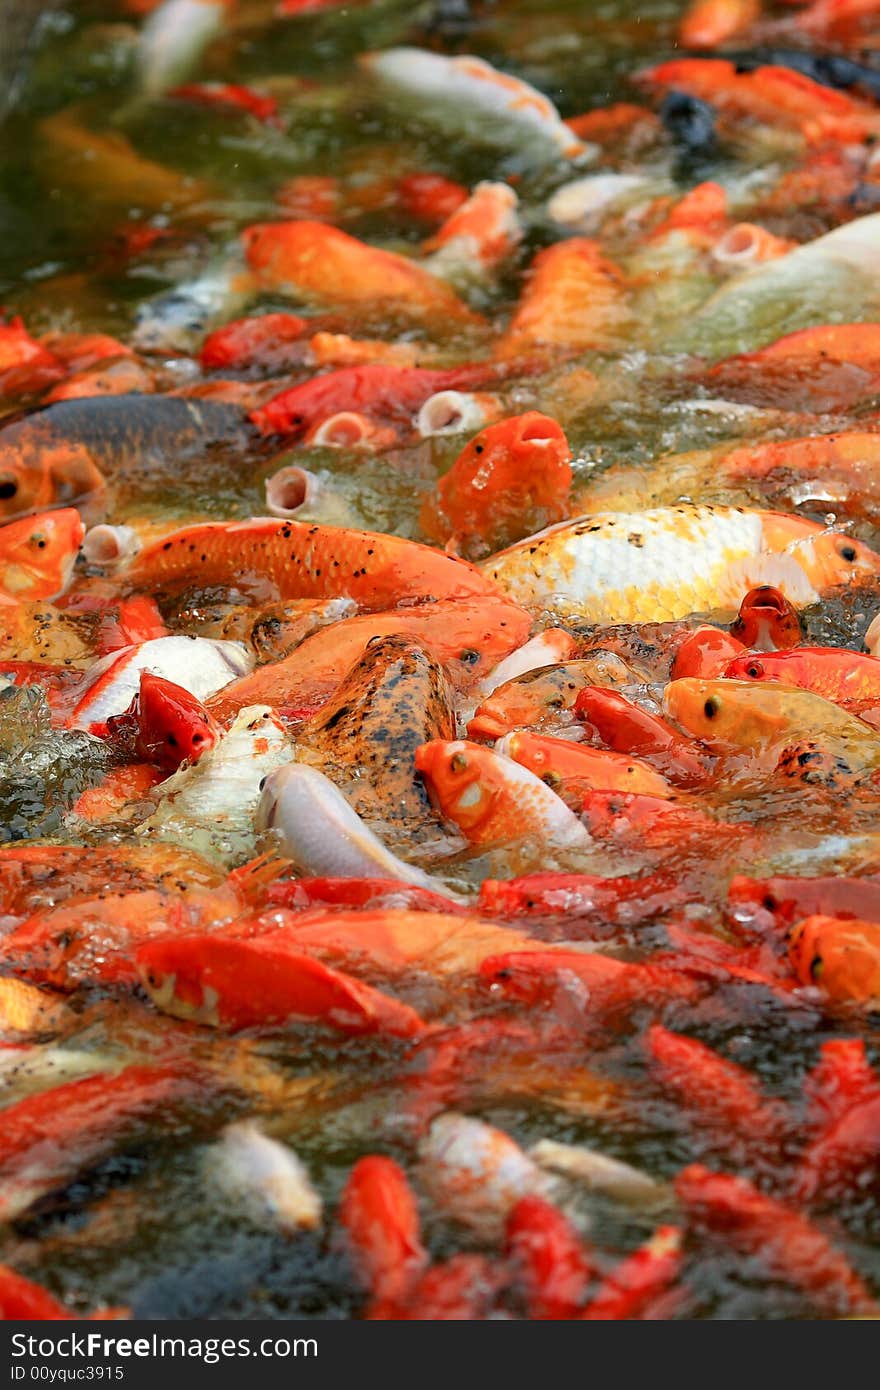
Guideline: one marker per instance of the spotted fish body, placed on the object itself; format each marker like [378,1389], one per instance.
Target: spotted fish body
[394,698]
[650,566]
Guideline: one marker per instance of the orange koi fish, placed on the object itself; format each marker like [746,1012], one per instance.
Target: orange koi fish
[479,234]
[825,368]
[710,23]
[320,264]
[841,957]
[467,637]
[766,621]
[37,554]
[775,96]
[494,800]
[513,478]
[299,560]
[571,768]
[574,298]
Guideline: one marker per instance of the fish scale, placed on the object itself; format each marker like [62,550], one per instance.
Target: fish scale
[635,567]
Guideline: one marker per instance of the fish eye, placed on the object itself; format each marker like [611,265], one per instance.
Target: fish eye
[263,781]
[458,762]
[848,553]
[755,670]
[8,489]
[469,657]
[770,902]
[817,965]
[710,708]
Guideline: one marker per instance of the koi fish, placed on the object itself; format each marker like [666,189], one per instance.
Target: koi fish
[826,368]
[320,264]
[616,567]
[322,834]
[637,1284]
[263,1178]
[841,676]
[765,1230]
[492,799]
[467,637]
[212,804]
[380,1216]
[546,696]
[266,982]
[480,234]
[51,1137]
[766,621]
[779,902]
[173,39]
[177,319]
[199,665]
[710,23]
[232,96]
[300,560]
[395,698]
[476,99]
[554,1269]
[570,768]
[37,554]
[265,341]
[169,724]
[68,451]
[841,957]
[779,726]
[476,1173]
[839,468]
[381,392]
[555,643]
[574,298]
[511,478]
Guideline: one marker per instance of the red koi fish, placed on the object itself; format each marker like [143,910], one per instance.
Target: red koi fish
[707,651]
[511,480]
[626,728]
[640,1280]
[37,554]
[169,725]
[267,982]
[46,1139]
[430,197]
[380,1216]
[788,1246]
[263,341]
[552,1265]
[572,769]
[26,366]
[374,389]
[235,98]
[759,904]
[613,901]
[835,673]
[717,1096]
[320,264]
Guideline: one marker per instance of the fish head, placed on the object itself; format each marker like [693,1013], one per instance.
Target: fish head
[34,475]
[173,980]
[731,714]
[37,553]
[841,957]
[458,776]
[766,620]
[827,557]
